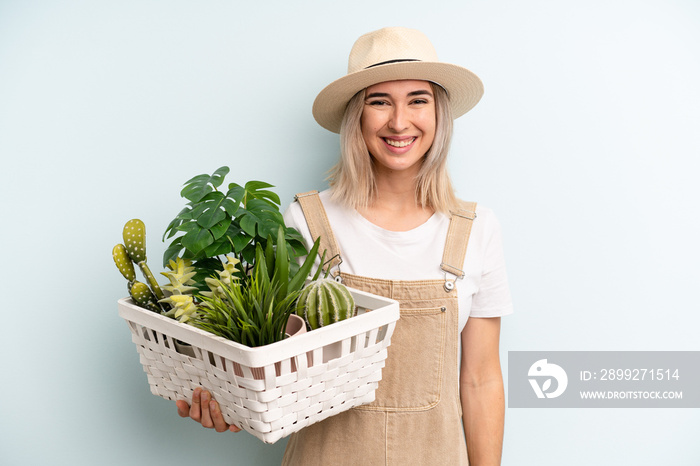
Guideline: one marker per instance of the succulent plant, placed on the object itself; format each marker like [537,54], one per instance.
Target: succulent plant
[226,277]
[180,276]
[179,292]
[183,307]
[323,302]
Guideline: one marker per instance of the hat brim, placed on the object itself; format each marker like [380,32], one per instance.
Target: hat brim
[463,87]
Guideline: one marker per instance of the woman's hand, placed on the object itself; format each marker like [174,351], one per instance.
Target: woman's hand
[205,411]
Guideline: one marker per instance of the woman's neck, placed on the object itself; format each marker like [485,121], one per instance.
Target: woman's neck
[394,206]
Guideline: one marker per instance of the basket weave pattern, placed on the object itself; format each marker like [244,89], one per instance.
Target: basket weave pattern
[298,385]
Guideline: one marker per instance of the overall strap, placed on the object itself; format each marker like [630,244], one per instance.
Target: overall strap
[456,243]
[317,220]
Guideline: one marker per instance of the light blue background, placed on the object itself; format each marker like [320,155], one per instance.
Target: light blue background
[585,144]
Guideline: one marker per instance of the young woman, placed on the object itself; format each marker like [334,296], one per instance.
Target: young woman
[394,227]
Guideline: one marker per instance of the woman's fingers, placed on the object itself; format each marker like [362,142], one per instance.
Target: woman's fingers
[205,410]
[205,399]
[217,418]
[196,408]
[183,409]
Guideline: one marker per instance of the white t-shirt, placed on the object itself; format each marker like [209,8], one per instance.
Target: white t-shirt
[371,251]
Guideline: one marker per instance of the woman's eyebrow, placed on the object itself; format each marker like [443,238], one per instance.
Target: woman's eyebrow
[377,94]
[410,94]
[420,92]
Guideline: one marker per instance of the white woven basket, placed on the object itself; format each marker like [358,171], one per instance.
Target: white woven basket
[273,390]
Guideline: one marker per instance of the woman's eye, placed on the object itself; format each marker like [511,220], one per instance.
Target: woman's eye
[377,103]
[420,101]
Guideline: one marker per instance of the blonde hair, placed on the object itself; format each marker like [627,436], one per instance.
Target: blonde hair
[352,179]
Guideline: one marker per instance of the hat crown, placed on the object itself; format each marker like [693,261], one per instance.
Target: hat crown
[390,44]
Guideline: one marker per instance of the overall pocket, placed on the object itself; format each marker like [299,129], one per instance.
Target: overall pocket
[412,377]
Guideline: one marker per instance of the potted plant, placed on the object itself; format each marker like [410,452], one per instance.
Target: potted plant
[228,274]
[235,281]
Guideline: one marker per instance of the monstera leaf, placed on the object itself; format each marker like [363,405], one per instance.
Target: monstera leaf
[216,223]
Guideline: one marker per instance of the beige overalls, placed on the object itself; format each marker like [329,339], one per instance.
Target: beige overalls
[416,416]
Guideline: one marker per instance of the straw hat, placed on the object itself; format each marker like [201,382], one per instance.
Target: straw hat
[392,54]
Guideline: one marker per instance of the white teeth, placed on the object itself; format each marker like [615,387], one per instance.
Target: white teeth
[405,143]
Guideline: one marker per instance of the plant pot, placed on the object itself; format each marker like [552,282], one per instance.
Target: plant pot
[295,326]
[185,348]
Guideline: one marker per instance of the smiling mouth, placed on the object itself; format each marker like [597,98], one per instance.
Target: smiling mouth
[404,143]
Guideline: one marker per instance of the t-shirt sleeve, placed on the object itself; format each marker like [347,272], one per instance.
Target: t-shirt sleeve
[493,297]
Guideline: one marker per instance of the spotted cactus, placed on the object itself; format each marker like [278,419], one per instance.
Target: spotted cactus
[134,251]
[123,261]
[325,301]
[141,294]
[135,245]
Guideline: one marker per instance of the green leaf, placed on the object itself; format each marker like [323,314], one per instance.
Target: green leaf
[237,194]
[291,233]
[256,212]
[217,248]
[189,226]
[173,251]
[234,235]
[256,190]
[320,269]
[298,248]
[196,240]
[260,271]
[297,282]
[205,268]
[212,211]
[220,228]
[230,206]
[242,243]
[201,185]
[268,226]
[281,276]
[269,253]
[248,224]
[183,215]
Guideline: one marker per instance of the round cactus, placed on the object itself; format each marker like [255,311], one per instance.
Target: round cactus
[143,296]
[324,302]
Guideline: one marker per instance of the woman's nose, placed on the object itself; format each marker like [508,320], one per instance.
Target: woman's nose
[398,120]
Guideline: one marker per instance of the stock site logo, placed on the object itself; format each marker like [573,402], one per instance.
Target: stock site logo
[545,372]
